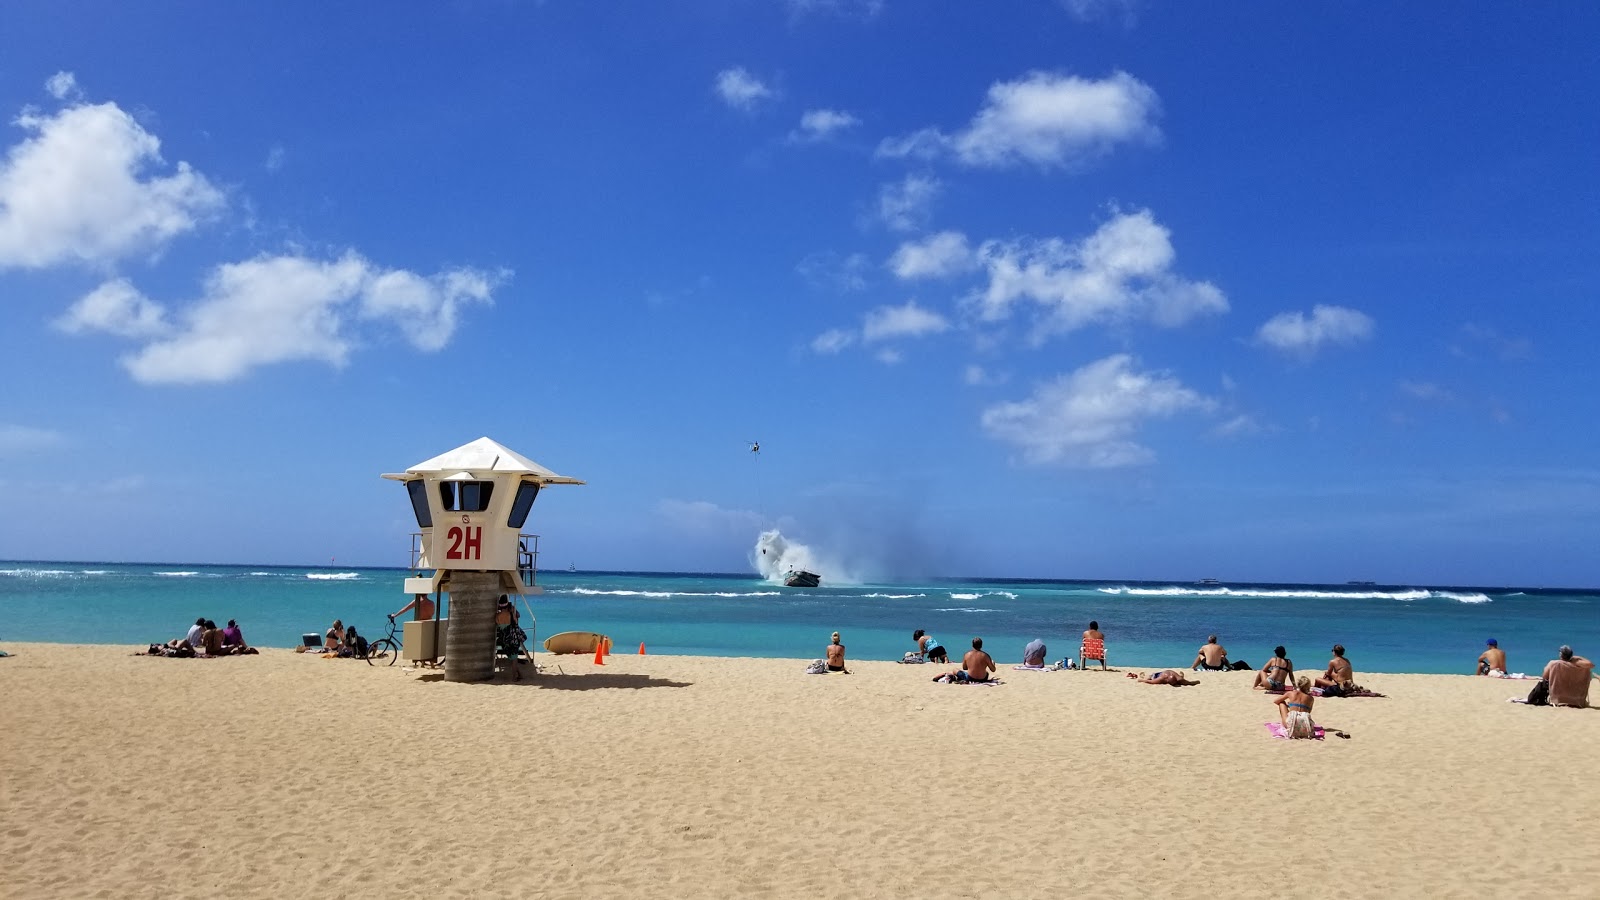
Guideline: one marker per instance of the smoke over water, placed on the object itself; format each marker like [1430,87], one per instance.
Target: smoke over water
[775,555]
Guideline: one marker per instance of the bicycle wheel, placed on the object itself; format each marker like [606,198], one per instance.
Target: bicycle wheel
[382,651]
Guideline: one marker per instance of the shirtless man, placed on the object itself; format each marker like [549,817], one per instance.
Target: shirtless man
[1094,634]
[977,664]
[421,608]
[1493,660]
[1213,656]
[1169,676]
[836,656]
[1568,676]
[1340,677]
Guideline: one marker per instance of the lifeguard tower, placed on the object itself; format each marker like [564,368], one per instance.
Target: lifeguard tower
[471,504]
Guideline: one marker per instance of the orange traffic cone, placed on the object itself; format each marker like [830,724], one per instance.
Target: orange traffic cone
[600,653]
[606,642]
[641,648]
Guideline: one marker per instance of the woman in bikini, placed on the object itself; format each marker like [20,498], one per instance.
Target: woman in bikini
[1294,710]
[1340,679]
[1276,675]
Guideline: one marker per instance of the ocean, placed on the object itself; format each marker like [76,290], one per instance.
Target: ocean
[1384,628]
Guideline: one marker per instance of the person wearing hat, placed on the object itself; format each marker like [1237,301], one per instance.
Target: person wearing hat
[1492,662]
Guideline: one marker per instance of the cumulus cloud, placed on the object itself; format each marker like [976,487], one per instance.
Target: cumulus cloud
[1473,341]
[830,271]
[276,309]
[16,440]
[1298,334]
[79,188]
[908,321]
[821,124]
[907,205]
[118,308]
[1090,418]
[847,9]
[1240,425]
[1426,391]
[1122,272]
[1045,119]
[741,90]
[936,256]
[275,155]
[703,516]
[63,86]
[977,376]
[832,341]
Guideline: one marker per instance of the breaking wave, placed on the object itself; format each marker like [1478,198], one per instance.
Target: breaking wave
[1404,596]
[333,576]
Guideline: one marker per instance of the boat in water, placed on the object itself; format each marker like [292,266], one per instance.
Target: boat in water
[801,578]
[1208,581]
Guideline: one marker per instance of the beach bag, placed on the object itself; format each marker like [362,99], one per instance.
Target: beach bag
[912,657]
[1540,695]
[817,667]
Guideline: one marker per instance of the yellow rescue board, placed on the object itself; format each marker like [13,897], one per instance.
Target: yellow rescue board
[574,642]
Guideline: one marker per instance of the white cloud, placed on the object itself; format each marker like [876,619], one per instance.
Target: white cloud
[275,155]
[1044,119]
[977,376]
[276,309]
[832,341]
[1089,418]
[907,205]
[1295,333]
[830,271]
[77,190]
[741,90]
[908,321]
[1426,391]
[63,86]
[16,440]
[889,356]
[847,9]
[1122,272]
[937,256]
[1474,340]
[703,516]
[118,308]
[1241,425]
[820,124]
[1123,11]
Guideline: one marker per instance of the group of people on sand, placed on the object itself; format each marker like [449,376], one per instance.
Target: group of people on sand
[343,641]
[204,638]
[1564,681]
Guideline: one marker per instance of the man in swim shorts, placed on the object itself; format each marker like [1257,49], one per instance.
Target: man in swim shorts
[1492,661]
[1212,656]
[977,664]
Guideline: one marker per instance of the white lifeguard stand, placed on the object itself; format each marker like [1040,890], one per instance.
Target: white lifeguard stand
[470,504]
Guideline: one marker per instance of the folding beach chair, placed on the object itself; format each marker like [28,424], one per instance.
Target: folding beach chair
[1093,648]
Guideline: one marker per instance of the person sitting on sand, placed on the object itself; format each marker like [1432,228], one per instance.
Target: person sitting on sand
[1034,653]
[508,634]
[1294,710]
[195,632]
[1340,679]
[1212,656]
[1276,675]
[1492,662]
[233,638]
[977,665]
[334,639]
[1168,676]
[1568,677]
[354,644]
[211,638]
[421,607]
[836,655]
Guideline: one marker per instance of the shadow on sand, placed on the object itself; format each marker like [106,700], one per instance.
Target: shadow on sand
[591,681]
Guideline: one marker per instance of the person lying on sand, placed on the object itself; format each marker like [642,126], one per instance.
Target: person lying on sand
[1294,710]
[977,665]
[1169,676]
[1492,662]
[1340,679]
[836,656]
[1275,676]
[1212,655]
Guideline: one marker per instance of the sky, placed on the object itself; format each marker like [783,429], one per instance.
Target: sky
[1043,288]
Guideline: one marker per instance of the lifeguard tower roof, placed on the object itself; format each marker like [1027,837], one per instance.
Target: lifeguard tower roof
[484,456]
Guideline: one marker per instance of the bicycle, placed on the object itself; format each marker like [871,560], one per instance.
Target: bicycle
[386,648]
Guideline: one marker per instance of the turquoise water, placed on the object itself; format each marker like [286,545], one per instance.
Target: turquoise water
[1384,628]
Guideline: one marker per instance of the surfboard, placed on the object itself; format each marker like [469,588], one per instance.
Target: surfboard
[574,642]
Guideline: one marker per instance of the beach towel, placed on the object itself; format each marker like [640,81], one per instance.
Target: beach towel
[1035,668]
[1277,731]
[946,679]
[1358,692]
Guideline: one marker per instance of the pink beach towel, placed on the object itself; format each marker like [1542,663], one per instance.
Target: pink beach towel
[1277,730]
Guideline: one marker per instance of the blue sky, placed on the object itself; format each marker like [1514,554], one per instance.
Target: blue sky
[1056,289]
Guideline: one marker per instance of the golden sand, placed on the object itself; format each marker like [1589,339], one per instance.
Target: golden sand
[284,775]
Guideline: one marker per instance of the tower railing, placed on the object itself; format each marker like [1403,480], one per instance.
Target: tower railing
[527,557]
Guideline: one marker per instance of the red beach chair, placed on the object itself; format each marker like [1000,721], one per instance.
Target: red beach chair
[1093,648]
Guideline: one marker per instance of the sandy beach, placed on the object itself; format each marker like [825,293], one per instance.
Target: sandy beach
[284,775]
